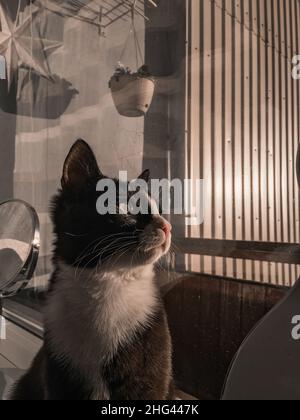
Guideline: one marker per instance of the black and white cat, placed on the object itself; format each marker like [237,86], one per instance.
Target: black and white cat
[106,332]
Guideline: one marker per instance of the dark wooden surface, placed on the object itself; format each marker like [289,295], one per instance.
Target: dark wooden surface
[285,253]
[209,319]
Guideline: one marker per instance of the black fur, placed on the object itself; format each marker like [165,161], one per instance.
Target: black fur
[140,369]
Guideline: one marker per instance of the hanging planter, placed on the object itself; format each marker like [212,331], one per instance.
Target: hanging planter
[132,92]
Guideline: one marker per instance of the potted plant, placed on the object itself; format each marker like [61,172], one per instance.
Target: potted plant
[132,92]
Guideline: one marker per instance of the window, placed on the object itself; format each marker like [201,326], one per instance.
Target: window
[226,110]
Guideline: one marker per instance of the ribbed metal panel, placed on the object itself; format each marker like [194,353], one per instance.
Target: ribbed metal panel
[243,127]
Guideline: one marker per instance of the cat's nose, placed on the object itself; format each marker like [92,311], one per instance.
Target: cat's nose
[167,228]
[162,224]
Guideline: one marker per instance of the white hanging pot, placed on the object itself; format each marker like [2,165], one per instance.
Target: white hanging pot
[132,93]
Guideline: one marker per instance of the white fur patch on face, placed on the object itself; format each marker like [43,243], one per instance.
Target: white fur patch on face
[89,314]
[153,207]
[155,240]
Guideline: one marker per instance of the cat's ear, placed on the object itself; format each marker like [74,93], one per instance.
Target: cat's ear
[80,167]
[145,175]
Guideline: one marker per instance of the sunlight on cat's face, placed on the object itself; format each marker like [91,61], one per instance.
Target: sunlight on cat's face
[156,237]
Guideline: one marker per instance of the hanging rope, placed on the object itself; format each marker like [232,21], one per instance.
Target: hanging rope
[30,69]
[138,50]
[18,14]
[134,38]
[31,163]
[137,46]
[15,25]
[126,44]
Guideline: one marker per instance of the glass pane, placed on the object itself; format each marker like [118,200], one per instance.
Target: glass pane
[206,93]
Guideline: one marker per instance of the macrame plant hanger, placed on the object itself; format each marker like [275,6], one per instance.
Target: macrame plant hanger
[132,92]
[137,47]
[18,87]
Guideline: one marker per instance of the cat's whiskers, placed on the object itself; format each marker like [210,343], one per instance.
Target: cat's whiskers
[99,255]
[128,244]
[94,250]
[99,241]
[134,254]
[127,248]
[176,248]
[80,269]
[111,258]
[129,236]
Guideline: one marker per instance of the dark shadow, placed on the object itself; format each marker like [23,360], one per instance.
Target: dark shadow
[37,96]
[10,265]
[3,384]
[8,377]
[165,51]
[13,5]
[208,332]
[164,139]
[32,298]
[42,98]
[8,107]
[7,140]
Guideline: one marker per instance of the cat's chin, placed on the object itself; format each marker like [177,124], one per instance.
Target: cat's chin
[155,253]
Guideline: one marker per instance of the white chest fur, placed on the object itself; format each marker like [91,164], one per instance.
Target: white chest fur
[89,315]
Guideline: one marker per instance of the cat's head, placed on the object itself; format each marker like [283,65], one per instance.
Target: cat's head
[85,238]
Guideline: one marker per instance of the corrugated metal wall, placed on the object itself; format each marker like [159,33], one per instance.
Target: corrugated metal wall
[244,106]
